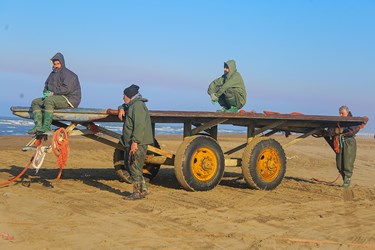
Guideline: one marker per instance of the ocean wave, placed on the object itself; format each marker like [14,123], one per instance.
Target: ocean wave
[16,122]
[19,126]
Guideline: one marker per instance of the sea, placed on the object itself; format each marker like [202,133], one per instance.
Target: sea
[19,126]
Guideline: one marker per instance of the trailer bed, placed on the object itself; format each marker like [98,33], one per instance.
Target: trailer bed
[284,122]
[199,161]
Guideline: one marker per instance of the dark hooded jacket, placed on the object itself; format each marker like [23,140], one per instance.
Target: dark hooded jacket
[232,79]
[137,125]
[64,82]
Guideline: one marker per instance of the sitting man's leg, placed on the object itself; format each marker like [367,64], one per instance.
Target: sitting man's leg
[50,104]
[223,103]
[36,107]
[231,101]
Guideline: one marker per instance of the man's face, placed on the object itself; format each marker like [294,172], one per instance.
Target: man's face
[126,99]
[343,112]
[56,64]
[226,70]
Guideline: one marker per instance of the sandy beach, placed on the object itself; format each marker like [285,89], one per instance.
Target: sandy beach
[85,209]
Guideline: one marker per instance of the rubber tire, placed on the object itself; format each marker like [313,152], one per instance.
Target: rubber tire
[183,158]
[149,170]
[250,157]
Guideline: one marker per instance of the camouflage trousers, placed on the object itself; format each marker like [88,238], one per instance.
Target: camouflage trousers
[134,162]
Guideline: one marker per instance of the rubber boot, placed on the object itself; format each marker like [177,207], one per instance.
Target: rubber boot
[47,121]
[144,190]
[38,117]
[346,183]
[232,109]
[127,177]
[137,190]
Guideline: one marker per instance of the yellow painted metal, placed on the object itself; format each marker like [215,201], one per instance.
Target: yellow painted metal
[204,164]
[268,164]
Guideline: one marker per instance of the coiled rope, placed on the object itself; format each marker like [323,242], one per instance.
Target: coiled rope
[37,143]
[60,147]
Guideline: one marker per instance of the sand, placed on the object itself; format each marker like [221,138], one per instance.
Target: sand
[86,208]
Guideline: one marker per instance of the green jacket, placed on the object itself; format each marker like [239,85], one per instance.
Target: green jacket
[232,79]
[137,124]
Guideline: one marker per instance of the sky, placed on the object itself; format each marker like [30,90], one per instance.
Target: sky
[309,56]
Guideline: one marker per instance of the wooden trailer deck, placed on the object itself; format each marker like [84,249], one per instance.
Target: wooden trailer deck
[199,161]
[297,123]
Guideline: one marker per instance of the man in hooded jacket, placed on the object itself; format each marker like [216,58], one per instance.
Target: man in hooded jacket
[136,136]
[61,90]
[229,89]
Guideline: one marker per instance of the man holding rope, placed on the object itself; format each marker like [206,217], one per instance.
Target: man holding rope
[348,149]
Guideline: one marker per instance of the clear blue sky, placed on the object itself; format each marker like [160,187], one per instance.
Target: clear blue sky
[307,56]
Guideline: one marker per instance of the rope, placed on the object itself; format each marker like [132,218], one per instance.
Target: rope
[326,182]
[20,174]
[60,147]
[39,158]
[37,142]
[337,144]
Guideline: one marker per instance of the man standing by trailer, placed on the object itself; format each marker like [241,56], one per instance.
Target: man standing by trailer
[229,89]
[136,136]
[348,149]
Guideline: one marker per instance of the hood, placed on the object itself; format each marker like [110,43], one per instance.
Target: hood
[59,57]
[136,98]
[232,67]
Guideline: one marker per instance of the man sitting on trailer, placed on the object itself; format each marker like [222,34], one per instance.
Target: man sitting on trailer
[136,136]
[229,89]
[61,90]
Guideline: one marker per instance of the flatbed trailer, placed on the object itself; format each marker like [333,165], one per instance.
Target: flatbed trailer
[199,161]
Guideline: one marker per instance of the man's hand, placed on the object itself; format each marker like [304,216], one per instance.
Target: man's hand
[338,130]
[133,147]
[47,93]
[214,98]
[121,114]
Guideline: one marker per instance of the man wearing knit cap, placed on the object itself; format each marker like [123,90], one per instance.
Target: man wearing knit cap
[136,136]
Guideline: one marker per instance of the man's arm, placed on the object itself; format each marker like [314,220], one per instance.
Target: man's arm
[139,118]
[69,83]
[235,81]
[212,88]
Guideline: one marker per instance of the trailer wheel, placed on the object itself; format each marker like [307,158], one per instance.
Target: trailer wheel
[199,163]
[263,164]
[149,170]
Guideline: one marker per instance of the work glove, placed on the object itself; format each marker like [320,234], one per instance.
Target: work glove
[47,93]
[214,98]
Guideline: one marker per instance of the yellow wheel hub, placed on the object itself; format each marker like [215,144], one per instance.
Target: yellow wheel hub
[204,164]
[268,164]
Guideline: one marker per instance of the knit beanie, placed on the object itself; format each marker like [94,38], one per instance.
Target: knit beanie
[131,91]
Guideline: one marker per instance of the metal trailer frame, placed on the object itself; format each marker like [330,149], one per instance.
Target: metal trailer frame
[199,161]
